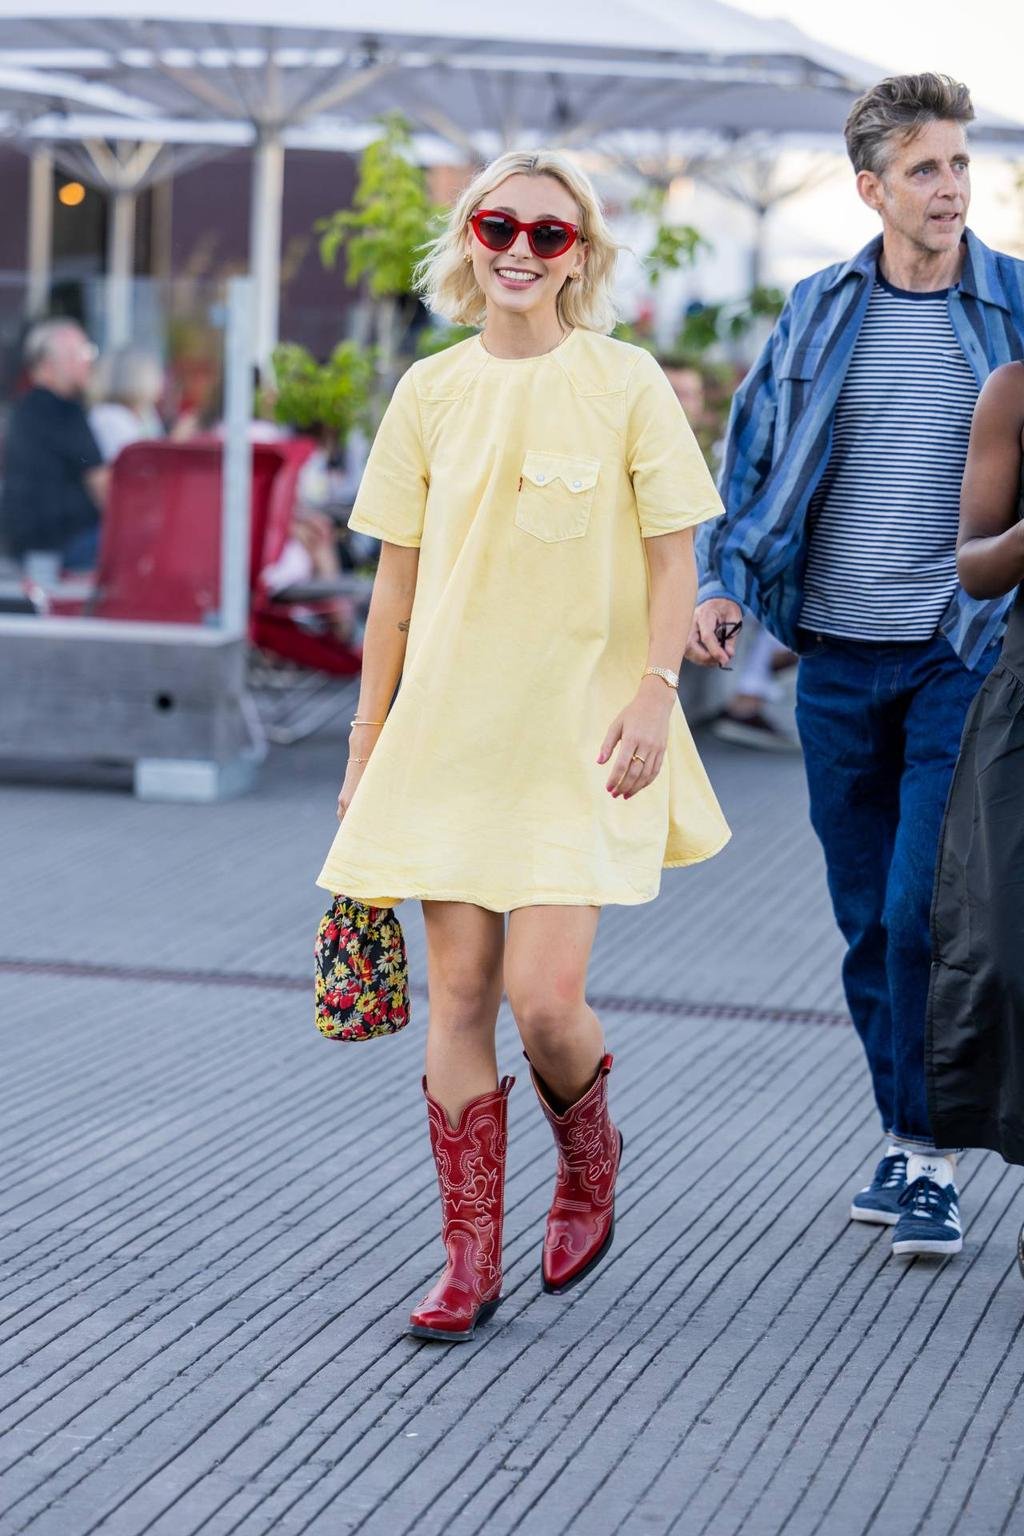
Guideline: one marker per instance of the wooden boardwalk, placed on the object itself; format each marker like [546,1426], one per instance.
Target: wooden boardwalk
[214,1223]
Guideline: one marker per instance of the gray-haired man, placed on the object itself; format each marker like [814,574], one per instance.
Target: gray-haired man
[55,481]
[841,486]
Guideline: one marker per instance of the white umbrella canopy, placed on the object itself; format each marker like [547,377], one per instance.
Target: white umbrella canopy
[26,91]
[475,74]
[477,77]
[688,26]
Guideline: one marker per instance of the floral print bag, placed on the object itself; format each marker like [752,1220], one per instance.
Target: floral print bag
[362,974]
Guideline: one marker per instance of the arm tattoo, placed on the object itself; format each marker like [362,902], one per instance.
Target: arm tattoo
[403,625]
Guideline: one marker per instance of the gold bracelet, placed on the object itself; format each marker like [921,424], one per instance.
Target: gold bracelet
[357,721]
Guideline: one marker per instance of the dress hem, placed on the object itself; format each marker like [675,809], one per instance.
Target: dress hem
[560,899]
[700,858]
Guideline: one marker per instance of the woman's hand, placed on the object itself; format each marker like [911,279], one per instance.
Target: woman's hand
[353,773]
[361,742]
[641,733]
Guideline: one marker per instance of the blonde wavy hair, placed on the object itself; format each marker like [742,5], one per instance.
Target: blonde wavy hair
[446,281]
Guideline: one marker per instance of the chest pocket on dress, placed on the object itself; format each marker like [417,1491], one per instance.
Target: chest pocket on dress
[556,495]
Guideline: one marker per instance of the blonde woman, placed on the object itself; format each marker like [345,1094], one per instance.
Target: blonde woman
[534,489]
[128,387]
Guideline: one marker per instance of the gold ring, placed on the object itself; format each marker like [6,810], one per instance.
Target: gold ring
[636,758]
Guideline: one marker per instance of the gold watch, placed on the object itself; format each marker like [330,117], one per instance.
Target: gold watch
[671,678]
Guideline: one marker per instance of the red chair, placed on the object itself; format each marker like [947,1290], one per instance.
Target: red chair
[160,560]
[160,545]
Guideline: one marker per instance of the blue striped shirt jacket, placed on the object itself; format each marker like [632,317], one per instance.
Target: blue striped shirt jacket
[780,436]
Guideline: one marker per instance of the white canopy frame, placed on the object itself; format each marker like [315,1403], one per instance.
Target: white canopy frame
[39,234]
[122,168]
[751,176]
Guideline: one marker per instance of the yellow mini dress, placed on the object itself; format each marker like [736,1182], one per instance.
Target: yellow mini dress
[528,486]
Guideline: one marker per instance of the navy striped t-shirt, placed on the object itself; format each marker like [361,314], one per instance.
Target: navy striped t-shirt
[881,561]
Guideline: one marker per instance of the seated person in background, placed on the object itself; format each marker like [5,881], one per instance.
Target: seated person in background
[687,382]
[127,387]
[55,481]
[310,553]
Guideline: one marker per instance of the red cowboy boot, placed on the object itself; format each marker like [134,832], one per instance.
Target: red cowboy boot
[471,1173]
[581,1221]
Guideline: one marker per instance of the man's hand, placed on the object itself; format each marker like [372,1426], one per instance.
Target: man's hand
[703,647]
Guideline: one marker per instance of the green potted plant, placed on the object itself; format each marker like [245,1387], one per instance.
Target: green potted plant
[383,235]
[331,398]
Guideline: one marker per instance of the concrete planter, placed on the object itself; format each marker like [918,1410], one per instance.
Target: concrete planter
[169,699]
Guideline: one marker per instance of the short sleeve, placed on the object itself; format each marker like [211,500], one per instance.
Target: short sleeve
[672,484]
[392,494]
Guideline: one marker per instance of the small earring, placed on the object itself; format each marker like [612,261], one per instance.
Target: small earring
[467,257]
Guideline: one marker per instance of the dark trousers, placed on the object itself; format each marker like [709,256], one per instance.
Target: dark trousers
[880,727]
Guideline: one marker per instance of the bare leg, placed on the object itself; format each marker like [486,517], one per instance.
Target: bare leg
[464,955]
[467,1115]
[546,958]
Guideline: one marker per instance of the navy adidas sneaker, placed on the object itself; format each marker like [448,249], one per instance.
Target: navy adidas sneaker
[929,1220]
[880,1202]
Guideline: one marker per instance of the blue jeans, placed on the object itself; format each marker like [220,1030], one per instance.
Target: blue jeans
[880,727]
[81,552]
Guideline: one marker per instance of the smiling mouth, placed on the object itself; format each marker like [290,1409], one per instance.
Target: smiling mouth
[945,218]
[518,275]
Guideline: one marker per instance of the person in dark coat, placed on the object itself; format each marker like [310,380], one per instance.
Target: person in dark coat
[55,481]
[975,1031]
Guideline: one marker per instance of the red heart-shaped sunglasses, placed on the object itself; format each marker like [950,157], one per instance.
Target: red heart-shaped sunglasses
[547,237]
